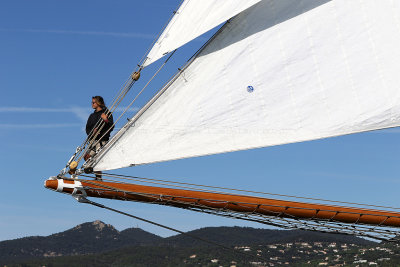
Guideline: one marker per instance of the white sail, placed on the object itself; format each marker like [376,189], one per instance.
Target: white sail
[282,71]
[193,18]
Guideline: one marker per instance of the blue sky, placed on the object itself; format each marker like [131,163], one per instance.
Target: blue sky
[55,55]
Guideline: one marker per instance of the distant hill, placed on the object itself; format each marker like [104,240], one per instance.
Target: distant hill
[86,238]
[98,237]
[246,235]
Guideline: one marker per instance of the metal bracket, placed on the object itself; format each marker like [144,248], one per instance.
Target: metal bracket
[81,199]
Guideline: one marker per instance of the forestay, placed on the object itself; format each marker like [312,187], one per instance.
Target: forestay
[282,71]
[192,19]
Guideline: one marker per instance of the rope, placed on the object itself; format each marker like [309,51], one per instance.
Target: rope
[171,229]
[90,139]
[100,124]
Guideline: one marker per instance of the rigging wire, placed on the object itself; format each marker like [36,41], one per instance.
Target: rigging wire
[100,124]
[91,136]
[172,229]
[88,142]
[134,100]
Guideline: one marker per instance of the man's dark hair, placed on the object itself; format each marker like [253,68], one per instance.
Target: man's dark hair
[99,100]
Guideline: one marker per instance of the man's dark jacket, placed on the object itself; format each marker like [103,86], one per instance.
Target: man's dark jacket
[92,121]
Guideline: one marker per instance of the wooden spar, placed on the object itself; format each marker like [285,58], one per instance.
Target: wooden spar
[237,203]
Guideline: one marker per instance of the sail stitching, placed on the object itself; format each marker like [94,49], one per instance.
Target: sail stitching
[317,67]
[378,61]
[339,35]
[284,56]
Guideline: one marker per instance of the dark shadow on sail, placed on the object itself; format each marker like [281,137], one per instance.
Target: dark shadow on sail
[248,22]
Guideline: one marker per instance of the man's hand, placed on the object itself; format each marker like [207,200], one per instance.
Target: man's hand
[104,117]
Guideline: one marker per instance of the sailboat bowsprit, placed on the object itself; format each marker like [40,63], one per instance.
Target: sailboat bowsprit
[283,71]
[288,214]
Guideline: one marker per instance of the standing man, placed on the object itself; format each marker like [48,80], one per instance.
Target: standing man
[99,125]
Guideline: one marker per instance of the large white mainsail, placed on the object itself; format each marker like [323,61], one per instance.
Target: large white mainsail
[192,19]
[282,71]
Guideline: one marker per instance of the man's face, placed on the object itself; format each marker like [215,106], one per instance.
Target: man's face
[94,104]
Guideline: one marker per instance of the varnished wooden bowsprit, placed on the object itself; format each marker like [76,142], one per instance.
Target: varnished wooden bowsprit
[236,203]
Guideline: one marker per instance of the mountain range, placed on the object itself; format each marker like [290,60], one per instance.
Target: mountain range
[98,237]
